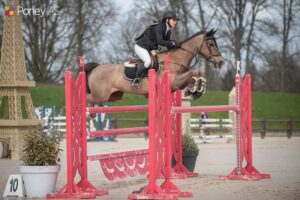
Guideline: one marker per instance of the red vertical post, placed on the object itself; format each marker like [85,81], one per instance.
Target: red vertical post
[82,105]
[69,126]
[151,124]
[167,109]
[178,102]
[244,134]
[76,142]
[168,186]
[152,190]
[81,81]
[81,63]
[248,99]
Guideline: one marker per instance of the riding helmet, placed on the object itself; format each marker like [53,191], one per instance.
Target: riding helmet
[169,15]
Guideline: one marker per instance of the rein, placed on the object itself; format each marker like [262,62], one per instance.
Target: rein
[194,55]
[210,42]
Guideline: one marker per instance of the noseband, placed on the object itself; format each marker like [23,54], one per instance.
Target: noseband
[209,46]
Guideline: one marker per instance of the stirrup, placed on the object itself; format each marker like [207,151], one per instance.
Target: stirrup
[136,83]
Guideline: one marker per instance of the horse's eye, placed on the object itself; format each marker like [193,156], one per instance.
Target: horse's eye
[211,44]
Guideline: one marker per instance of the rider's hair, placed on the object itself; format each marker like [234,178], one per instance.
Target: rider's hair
[158,21]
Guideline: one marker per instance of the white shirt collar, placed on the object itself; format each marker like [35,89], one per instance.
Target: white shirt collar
[167,29]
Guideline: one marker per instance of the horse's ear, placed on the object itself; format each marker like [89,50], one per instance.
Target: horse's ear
[214,32]
[211,32]
[208,33]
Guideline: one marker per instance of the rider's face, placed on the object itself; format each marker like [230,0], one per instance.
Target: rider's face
[172,23]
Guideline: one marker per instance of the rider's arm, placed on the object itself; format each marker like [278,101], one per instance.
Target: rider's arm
[159,34]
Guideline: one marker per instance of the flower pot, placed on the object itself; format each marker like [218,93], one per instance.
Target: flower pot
[39,180]
[189,159]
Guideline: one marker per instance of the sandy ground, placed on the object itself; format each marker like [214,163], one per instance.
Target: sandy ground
[278,156]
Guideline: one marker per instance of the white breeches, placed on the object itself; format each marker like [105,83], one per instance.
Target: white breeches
[143,54]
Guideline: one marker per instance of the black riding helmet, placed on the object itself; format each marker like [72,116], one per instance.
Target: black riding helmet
[169,15]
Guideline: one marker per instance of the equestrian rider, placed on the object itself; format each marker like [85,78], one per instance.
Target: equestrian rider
[154,35]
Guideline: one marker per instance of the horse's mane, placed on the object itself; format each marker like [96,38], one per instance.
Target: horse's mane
[210,34]
[189,38]
[196,34]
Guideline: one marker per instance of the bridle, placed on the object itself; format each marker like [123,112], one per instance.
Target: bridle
[196,55]
[210,45]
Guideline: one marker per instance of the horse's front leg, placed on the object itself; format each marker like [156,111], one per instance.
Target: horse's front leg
[197,89]
[181,80]
[192,81]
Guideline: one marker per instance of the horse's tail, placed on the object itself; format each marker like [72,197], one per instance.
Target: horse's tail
[87,69]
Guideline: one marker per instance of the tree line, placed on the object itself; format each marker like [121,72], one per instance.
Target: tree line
[263,34]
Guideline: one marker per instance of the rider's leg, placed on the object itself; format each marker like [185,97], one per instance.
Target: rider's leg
[145,56]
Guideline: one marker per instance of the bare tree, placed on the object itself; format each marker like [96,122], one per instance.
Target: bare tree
[287,11]
[42,35]
[282,62]
[54,40]
[121,40]
[239,24]
[89,19]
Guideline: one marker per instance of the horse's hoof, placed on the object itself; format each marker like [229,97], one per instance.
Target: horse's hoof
[187,92]
[196,95]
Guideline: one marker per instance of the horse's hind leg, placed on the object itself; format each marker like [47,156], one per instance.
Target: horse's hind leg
[117,95]
[90,100]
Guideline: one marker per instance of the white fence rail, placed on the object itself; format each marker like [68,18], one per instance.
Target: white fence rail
[211,123]
[52,122]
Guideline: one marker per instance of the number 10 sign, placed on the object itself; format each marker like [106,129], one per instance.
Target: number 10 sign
[14,186]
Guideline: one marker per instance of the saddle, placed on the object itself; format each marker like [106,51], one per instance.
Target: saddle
[131,66]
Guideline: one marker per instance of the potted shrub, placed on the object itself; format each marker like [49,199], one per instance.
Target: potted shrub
[40,166]
[190,152]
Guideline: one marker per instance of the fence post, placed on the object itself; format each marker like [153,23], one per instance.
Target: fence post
[186,117]
[289,128]
[114,122]
[263,126]
[232,114]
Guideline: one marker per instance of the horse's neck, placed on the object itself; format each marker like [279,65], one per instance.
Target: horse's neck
[191,46]
[184,58]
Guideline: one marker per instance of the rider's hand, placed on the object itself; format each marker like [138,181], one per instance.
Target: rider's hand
[176,44]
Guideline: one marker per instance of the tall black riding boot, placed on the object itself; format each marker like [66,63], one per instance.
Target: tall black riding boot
[137,80]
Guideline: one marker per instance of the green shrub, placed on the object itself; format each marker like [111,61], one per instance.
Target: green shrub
[40,149]
[188,143]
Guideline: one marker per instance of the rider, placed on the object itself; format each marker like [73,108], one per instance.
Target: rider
[154,35]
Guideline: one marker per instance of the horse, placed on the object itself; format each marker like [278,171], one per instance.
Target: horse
[106,82]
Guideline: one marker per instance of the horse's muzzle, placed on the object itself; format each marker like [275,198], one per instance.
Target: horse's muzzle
[220,64]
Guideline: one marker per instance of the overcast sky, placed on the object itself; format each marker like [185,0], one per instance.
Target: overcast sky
[124,5]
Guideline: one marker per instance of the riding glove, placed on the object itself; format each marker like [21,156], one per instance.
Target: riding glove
[176,44]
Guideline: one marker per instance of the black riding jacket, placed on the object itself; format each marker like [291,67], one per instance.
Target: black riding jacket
[153,36]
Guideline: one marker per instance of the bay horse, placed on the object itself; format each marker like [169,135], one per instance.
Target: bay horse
[106,82]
